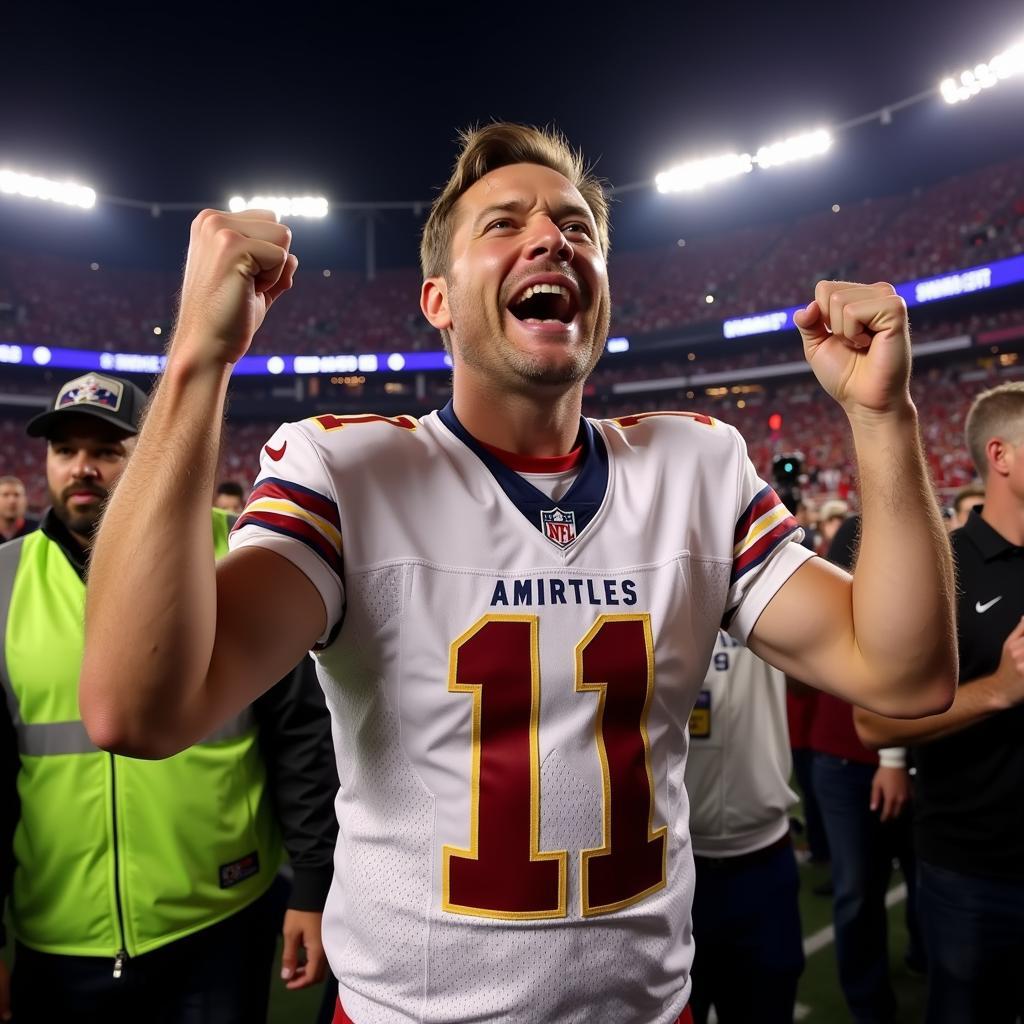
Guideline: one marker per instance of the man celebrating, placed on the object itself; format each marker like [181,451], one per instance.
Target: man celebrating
[131,878]
[512,607]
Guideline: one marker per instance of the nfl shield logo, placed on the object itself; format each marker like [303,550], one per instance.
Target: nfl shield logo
[559,527]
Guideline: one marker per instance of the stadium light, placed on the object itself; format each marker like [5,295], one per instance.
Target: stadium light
[284,206]
[31,186]
[983,76]
[797,147]
[696,174]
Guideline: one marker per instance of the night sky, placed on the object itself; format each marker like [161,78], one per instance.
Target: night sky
[362,102]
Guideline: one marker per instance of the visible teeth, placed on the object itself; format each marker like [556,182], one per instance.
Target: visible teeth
[544,289]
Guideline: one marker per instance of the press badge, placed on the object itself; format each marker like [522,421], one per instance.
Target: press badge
[700,716]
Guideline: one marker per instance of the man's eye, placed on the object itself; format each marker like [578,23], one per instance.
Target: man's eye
[504,222]
[577,227]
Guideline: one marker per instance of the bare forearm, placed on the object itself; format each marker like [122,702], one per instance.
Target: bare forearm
[974,702]
[151,606]
[903,589]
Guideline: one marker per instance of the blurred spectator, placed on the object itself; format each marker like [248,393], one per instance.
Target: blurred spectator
[230,496]
[13,506]
[832,515]
[966,498]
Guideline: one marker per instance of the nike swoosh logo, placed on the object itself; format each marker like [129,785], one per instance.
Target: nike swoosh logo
[277,454]
[979,607]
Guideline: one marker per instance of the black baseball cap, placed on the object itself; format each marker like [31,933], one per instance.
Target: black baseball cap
[112,399]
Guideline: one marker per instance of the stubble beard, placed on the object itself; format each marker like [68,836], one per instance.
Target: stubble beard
[82,523]
[520,369]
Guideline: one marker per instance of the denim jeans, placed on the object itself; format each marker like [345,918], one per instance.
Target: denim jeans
[974,937]
[863,849]
[746,933]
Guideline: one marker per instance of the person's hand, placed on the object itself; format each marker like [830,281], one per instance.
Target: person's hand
[302,932]
[1008,688]
[890,792]
[237,265]
[5,992]
[857,340]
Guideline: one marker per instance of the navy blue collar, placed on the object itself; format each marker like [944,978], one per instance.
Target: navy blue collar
[562,521]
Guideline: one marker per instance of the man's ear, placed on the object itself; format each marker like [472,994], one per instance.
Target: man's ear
[999,455]
[434,303]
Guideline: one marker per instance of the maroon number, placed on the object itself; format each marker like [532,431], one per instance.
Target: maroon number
[504,873]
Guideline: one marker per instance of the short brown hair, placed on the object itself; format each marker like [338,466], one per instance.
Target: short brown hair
[998,412]
[498,145]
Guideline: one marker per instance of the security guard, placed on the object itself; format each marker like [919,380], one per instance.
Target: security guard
[145,890]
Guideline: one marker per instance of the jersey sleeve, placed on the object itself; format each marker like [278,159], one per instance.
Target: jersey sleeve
[766,550]
[293,511]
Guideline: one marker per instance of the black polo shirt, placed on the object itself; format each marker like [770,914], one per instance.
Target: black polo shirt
[969,792]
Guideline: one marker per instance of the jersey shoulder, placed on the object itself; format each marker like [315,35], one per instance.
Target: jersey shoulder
[347,440]
[672,432]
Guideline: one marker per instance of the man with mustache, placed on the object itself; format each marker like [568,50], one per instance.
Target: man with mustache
[131,878]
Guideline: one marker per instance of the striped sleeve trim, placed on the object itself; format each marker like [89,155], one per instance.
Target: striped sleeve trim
[763,526]
[304,497]
[299,513]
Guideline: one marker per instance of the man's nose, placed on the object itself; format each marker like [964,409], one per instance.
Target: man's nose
[84,466]
[548,240]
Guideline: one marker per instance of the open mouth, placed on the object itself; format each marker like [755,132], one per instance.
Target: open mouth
[545,304]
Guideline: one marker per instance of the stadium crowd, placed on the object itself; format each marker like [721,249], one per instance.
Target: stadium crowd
[972,219]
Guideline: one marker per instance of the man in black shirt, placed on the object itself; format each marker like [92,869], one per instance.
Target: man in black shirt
[970,760]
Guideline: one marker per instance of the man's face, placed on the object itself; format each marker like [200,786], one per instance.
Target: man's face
[231,503]
[963,510]
[84,460]
[13,502]
[527,286]
[828,527]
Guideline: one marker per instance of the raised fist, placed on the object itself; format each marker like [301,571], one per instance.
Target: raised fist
[857,339]
[237,266]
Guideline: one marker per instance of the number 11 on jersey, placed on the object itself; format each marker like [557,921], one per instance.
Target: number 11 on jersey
[504,873]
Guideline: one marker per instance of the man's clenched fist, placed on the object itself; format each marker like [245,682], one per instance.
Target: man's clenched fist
[238,264]
[857,339]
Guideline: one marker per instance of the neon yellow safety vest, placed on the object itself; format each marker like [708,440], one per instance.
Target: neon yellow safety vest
[112,854]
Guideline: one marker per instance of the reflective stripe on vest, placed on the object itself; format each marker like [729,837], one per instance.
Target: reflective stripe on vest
[39,739]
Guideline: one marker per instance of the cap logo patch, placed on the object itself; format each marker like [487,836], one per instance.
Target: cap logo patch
[92,389]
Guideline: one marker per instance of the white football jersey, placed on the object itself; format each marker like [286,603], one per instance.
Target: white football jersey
[510,678]
[739,763]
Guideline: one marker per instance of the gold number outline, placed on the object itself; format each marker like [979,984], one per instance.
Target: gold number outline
[601,688]
[473,853]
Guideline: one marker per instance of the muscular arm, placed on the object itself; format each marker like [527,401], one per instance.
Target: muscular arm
[883,638]
[175,646]
[975,701]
